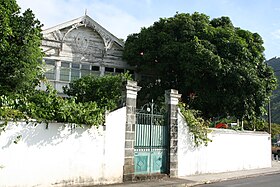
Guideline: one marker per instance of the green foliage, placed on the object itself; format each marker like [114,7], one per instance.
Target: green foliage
[49,107]
[8,108]
[198,127]
[92,96]
[106,91]
[257,124]
[275,98]
[216,66]
[226,120]
[275,131]
[20,53]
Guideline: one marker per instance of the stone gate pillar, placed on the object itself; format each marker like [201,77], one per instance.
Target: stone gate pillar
[130,101]
[171,100]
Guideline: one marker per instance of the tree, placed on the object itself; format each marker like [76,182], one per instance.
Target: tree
[218,68]
[106,91]
[20,53]
[275,98]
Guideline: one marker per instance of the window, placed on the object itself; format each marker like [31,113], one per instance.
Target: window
[109,70]
[65,71]
[95,68]
[85,70]
[119,70]
[65,64]
[76,66]
[50,69]
[75,71]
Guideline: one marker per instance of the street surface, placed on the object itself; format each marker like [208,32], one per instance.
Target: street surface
[260,181]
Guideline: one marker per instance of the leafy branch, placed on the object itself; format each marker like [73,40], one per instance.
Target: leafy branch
[198,127]
[49,107]
[89,98]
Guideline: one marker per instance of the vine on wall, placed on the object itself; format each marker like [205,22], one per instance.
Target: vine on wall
[198,127]
[89,98]
[48,107]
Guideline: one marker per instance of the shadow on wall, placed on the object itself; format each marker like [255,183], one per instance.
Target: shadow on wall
[186,138]
[63,154]
[40,135]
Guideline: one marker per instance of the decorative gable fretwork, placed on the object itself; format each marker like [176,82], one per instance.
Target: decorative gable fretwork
[56,37]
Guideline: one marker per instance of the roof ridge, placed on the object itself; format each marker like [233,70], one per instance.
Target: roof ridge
[85,19]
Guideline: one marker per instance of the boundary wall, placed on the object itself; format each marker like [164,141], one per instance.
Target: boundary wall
[63,154]
[229,150]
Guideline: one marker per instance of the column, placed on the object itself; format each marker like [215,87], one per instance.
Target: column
[171,100]
[57,76]
[131,97]
[102,70]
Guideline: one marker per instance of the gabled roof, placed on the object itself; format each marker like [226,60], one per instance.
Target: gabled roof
[86,21]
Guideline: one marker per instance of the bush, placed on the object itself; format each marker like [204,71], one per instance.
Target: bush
[90,98]
[106,91]
[49,107]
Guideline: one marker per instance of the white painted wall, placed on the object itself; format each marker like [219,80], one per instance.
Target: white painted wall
[229,151]
[62,155]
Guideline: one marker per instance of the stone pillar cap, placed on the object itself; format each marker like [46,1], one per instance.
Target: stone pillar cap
[172,96]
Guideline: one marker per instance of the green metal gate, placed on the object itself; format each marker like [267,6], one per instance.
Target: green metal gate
[151,141]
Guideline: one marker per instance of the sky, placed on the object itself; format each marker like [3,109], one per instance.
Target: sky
[124,17]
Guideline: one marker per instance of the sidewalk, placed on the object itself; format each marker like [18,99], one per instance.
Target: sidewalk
[203,178]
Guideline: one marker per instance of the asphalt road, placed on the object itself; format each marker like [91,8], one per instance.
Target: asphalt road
[260,181]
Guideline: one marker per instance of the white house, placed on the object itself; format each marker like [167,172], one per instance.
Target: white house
[81,47]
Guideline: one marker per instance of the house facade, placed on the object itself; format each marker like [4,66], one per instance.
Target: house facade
[80,47]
